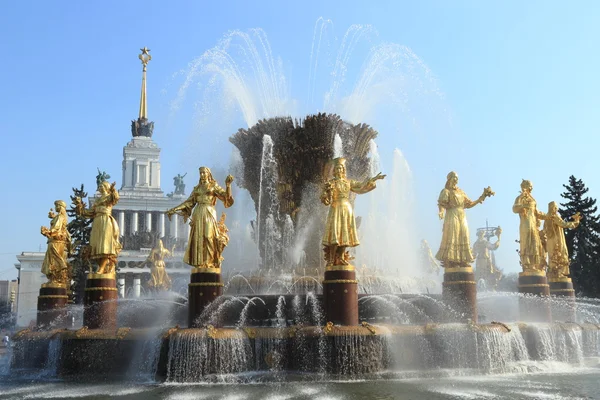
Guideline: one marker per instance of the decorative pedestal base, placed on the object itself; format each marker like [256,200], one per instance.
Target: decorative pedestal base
[204,288]
[459,291]
[51,307]
[563,309]
[535,307]
[100,302]
[340,295]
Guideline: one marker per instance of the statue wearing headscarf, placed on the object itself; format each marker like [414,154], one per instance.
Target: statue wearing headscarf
[55,265]
[455,248]
[207,240]
[556,246]
[340,228]
[105,244]
[531,251]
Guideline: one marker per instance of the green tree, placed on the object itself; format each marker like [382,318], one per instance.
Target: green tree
[80,229]
[583,243]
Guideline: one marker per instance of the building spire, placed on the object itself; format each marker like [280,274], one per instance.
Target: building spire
[145,57]
[141,126]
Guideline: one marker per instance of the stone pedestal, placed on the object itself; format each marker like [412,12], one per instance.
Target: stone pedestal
[340,295]
[100,302]
[563,306]
[204,288]
[51,307]
[459,291]
[534,306]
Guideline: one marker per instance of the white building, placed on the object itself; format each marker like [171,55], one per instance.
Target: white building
[140,214]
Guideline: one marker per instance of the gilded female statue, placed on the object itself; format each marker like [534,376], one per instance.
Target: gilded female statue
[531,251]
[556,246]
[207,240]
[485,267]
[340,228]
[104,238]
[158,275]
[455,249]
[55,265]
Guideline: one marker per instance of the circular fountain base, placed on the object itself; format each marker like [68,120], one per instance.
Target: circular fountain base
[205,286]
[340,295]
[459,290]
[534,284]
[100,302]
[51,307]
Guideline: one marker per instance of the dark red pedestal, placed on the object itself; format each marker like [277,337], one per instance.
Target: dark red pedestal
[459,291]
[340,295]
[51,307]
[204,288]
[563,306]
[100,302]
[534,305]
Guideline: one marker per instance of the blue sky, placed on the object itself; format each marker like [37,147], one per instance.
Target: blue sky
[519,83]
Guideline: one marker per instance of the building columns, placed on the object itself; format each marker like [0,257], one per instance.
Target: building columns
[134,222]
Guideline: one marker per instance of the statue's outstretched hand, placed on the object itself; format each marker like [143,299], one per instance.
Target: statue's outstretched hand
[378,176]
[229,179]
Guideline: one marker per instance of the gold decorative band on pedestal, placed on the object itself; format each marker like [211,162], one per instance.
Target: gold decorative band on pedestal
[341,281]
[534,285]
[555,280]
[54,285]
[532,272]
[101,276]
[451,270]
[459,283]
[201,270]
[53,296]
[551,290]
[348,267]
[206,284]
[91,289]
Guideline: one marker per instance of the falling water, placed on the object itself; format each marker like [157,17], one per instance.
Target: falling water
[194,355]
[389,241]
[374,161]
[338,149]
[268,206]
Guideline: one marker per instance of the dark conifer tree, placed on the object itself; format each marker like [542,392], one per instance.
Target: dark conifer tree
[80,229]
[583,243]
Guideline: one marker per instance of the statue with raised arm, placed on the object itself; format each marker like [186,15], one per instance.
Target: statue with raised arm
[207,238]
[556,246]
[531,251]
[455,248]
[484,264]
[179,185]
[159,279]
[105,245]
[428,261]
[340,228]
[55,265]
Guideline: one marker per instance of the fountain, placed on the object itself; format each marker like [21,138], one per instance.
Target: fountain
[299,315]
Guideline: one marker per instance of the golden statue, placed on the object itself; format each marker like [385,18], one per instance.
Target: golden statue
[104,238]
[531,251]
[455,249]
[484,265]
[340,229]
[556,246]
[207,237]
[159,279]
[428,261]
[55,265]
